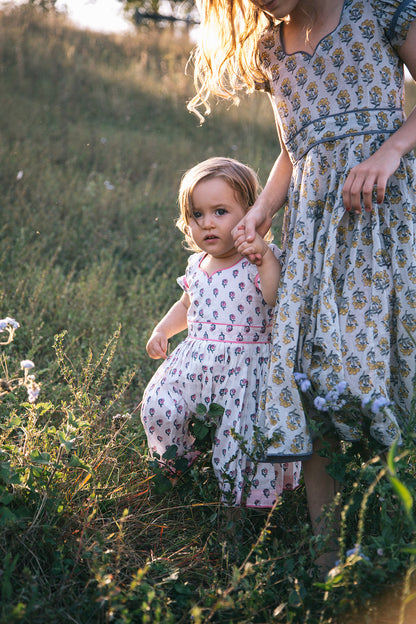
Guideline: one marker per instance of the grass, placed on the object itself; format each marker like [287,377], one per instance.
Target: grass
[94,139]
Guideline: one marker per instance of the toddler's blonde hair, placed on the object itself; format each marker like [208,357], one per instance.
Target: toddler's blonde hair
[241,178]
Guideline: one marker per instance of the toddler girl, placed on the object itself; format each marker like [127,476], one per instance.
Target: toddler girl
[227,307]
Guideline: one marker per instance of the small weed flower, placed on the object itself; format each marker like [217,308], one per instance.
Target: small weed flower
[8,385]
[341,387]
[10,325]
[33,390]
[26,364]
[352,416]
[320,404]
[108,185]
[378,404]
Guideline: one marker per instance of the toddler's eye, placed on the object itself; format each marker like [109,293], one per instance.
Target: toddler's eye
[196,215]
[220,211]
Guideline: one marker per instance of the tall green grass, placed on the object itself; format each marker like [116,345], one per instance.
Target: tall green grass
[95,137]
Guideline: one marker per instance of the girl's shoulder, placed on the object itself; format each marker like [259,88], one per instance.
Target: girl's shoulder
[194,261]
[395,17]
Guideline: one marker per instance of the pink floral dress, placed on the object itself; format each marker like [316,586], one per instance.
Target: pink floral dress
[222,360]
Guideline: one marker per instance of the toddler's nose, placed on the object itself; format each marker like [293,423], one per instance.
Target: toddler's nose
[208,222]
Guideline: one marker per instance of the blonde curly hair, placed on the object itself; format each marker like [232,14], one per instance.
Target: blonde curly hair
[241,178]
[226,58]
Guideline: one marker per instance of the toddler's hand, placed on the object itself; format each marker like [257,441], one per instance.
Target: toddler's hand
[254,250]
[157,346]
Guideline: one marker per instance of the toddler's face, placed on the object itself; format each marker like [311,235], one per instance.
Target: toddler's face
[216,211]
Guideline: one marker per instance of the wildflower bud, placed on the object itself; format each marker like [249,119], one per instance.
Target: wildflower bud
[299,376]
[378,404]
[26,364]
[341,387]
[305,384]
[320,404]
[33,390]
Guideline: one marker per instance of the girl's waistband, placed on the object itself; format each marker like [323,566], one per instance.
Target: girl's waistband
[365,121]
[221,332]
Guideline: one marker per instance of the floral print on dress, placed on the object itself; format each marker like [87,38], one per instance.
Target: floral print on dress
[347,297]
[222,360]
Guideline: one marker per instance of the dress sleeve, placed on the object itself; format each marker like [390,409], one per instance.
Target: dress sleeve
[193,262]
[395,16]
[182,282]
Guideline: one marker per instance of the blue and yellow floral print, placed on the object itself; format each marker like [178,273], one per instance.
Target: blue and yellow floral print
[347,299]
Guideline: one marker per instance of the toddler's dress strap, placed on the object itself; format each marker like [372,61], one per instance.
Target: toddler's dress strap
[395,16]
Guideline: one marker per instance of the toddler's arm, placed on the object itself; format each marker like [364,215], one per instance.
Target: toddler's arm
[269,267]
[171,324]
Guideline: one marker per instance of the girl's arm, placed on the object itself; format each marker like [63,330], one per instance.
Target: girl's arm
[269,268]
[375,171]
[270,200]
[171,324]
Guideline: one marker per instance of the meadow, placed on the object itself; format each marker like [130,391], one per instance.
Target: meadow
[95,137]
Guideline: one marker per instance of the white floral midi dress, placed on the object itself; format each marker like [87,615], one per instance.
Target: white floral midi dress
[222,360]
[347,297]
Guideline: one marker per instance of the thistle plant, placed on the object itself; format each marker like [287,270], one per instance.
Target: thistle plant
[8,327]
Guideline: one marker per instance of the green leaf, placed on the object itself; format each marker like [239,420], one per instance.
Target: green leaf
[201,409]
[68,444]
[181,464]
[40,458]
[161,484]
[75,462]
[199,430]
[390,458]
[170,452]
[403,493]
[216,410]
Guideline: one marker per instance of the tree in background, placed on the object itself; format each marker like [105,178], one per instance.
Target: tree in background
[161,11]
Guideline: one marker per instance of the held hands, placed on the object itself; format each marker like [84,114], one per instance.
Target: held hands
[369,176]
[254,250]
[248,234]
[157,345]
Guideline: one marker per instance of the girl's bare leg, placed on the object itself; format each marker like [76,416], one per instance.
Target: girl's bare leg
[321,490]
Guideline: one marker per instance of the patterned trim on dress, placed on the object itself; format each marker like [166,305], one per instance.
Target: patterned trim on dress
[402,7]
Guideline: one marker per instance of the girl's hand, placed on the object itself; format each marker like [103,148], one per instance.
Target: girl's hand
[157,345]
[254,251]
[368,177]
[256,222]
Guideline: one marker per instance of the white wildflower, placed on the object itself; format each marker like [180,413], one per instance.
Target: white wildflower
[33,390]
[26,364]
[108,185]
[19,175]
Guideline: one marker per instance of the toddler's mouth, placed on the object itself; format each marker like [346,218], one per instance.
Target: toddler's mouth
[210,237]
